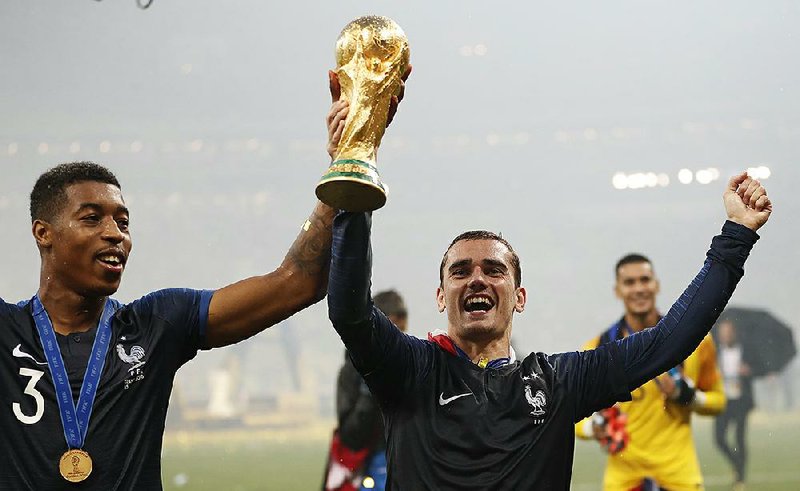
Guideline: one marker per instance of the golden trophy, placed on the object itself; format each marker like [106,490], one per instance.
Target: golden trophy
[372,55]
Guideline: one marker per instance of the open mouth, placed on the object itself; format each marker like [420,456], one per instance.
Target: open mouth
[478,304]
[112,261]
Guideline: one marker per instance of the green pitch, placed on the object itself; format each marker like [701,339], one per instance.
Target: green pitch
[245,461]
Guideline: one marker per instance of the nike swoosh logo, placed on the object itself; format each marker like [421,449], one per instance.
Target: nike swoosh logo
[444,402]
[18,353]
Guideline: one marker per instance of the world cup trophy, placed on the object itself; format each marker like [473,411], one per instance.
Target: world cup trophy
[372,54]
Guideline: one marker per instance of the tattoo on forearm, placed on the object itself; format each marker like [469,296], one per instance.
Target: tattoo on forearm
[311,251]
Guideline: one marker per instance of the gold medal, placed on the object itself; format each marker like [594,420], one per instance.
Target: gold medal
[75,465]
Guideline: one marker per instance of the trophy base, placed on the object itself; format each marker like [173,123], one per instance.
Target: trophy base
[352,185]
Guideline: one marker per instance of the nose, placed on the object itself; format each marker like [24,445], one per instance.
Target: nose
[477,280]
[112,232]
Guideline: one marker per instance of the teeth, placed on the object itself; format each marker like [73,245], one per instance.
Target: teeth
[478,300]
[110,259]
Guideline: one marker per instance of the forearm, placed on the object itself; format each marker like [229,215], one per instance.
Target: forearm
[309,256]
[379,351]
[653,351]
[349,301]
[247,307]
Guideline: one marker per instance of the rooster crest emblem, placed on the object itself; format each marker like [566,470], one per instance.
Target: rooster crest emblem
[134,358]
[537,401]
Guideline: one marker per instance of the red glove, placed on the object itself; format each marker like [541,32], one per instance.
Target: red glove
[614,435]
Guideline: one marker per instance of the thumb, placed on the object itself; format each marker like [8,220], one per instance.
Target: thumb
[333,85]
[735,181]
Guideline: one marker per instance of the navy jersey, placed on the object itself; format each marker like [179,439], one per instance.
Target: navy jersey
[151,338]
[453,425]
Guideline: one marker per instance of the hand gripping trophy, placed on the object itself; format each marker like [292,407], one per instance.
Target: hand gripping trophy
[372,54]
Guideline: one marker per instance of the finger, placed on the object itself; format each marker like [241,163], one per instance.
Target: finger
[392,109]
[743,185]
[763,204]
[403,79]
[760,202]
[341,114]
[338,117]
[407,73]
[402,92]
[335,108]
[758,193]
[333,85]
[337,134]
[751,188]
[736,180]
[768,206]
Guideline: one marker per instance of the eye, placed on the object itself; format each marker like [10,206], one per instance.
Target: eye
[93,218]
[123,224]
[458,272]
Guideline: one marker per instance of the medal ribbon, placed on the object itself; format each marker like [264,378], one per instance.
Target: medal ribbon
[75,419]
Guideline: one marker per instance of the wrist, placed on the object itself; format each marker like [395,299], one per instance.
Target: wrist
[685,392]
[699,399]
[587,428]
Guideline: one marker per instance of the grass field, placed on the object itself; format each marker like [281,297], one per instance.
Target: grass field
[274,460]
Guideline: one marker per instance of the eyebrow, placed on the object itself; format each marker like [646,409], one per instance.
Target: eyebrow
[640,277]
[460,263]
[97,206]
[485,262]
[496,263]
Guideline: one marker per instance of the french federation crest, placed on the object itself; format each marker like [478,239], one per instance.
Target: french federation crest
[537,401]
[134,358]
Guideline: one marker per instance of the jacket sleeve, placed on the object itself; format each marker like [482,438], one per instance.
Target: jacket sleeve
[583,428]
[389,360]
[655,350]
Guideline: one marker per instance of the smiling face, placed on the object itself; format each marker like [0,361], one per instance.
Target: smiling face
[86,245]
[637,287]
[478,290]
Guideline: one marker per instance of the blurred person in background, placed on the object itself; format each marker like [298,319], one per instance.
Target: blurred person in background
[735,363]
[357,459]
[652,447]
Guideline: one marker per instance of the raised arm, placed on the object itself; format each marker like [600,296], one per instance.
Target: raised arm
[653,351]
[389,360]
[247,307]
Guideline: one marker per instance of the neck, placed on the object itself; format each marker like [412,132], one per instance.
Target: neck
[491,349]
[68,311]
[637,322]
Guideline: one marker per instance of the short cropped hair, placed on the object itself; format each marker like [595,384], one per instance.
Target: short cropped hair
[391,303]
[484,235]
[632,258]
[50,191]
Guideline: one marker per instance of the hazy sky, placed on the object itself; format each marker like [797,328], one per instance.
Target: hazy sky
[517,117]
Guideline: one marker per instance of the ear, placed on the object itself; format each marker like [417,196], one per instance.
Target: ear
[658,286]
[42,233]
[617,291]
[522,297]
[440,299]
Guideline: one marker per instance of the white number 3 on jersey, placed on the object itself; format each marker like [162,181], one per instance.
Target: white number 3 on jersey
[30,390]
